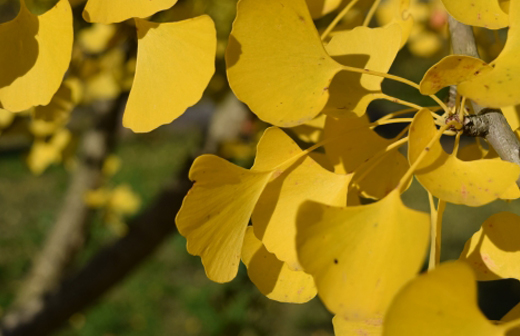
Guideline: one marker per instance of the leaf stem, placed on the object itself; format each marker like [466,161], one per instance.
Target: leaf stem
[334,22]
[397,79]
[421,156]
[403,102]
[390,121]
[371,13]
[436,231]
[410,110]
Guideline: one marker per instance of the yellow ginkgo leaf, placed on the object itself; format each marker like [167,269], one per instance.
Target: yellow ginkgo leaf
[494,251]
[355,144]
[215,213]
[319,8]
[481,13]
[512,114]
[513,314]
[441,302]
[472,183]
[175,61]
[378,180]
[273,277]
[367,327]
[276,62]
[311,131]
[96,38]
[499,87]
[123,200]
[397,11]
[451,70]
[6,118]
[111,11]
[350,91]
[361,256]
[274,217]
[35,53]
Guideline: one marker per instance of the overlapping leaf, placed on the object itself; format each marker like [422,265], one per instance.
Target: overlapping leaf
[216,212]
[499,87]
[343,327]
[441,302]
[274,218]
[512,114]
[494,251]
[175,62]
[356,143]
[273,277]
[34,56]
[451,70]
[362,47]
[276,62]
[319,8]
[361,256]
[111,11]
[481,13]
[397,11]
[472,183]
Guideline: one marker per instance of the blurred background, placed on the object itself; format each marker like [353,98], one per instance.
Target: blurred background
[144,283]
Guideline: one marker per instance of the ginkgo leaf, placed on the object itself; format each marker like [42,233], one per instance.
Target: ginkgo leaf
[512,114]
[215,213]
[441,302]
[451,70]
[273,277]
[494,251]
[368,327]
[361,256]
[111,11]
[319,8]
[6,118]
[480,13]
[384,176]
[311,131]
[472,183]
[276,62]
[499,87]
[513,314]
[397,11]
[35,53]
[175,61]
[361,47]
[274,218]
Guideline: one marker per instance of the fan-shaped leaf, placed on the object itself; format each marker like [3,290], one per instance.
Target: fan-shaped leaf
[481,13]
[111,11]
[175,62]
[361,256]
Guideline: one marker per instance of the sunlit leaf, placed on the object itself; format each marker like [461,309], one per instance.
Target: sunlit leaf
[481,13]
[472,183]
[368,327]
[175,62]
[512,114]
[276,62]
[451,70]
[111,11]
[361,256]
[215,213]
[34,56]
[271,276]
[96,38]
[311,131]
[441,302]
[274,218]
[319,8]
[499,87]
[397,11]
[494,251]
[351,91]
